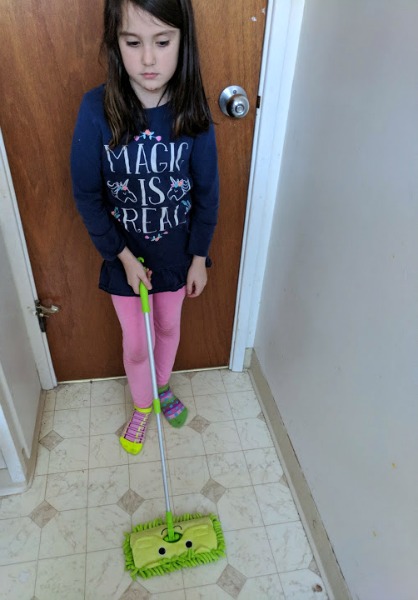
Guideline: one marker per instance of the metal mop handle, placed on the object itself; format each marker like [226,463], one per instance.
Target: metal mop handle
[143,292]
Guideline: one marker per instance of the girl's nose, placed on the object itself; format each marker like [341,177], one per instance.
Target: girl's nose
[148,56]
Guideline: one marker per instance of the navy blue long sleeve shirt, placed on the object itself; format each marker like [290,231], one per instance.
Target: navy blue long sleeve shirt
[158,195]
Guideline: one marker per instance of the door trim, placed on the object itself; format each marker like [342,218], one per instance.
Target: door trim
[14,238]
[281,42]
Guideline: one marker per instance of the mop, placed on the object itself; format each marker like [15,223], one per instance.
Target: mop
[163,546]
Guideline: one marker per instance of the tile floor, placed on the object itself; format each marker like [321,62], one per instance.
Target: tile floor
[61,540]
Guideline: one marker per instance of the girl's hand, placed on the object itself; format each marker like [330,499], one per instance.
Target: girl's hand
[196,277]
[135,272]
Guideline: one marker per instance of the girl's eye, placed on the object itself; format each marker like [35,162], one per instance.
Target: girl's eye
[163,44]
[132,44]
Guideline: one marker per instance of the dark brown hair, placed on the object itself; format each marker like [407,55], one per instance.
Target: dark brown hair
[123,109]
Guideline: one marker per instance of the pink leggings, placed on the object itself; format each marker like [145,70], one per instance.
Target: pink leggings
[165,326]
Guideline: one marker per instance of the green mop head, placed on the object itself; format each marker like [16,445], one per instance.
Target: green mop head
[197,540]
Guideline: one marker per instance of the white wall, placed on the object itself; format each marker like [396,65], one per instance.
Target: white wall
[337,336]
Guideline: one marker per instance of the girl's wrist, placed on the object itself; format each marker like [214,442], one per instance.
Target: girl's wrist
[125,255]
[199,259]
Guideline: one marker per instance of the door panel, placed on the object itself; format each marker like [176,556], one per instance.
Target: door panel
[19,386]
[52,59]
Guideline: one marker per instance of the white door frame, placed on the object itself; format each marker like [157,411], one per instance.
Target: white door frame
[281,42]
[12,231]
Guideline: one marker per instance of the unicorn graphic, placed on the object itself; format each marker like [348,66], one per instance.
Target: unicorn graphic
[121,192]
[178,189]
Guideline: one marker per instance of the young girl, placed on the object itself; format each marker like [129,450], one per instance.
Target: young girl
[145,181]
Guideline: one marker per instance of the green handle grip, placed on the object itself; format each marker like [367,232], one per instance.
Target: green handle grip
[143,292]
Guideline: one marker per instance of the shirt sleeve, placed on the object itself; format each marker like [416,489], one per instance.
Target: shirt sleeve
[205,192]
[86,174]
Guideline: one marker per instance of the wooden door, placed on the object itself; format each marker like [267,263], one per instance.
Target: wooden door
[49,56]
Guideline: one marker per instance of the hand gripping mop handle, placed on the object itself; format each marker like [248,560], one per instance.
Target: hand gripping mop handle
[172,536]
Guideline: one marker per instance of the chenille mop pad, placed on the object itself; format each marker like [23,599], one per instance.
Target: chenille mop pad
[163,546]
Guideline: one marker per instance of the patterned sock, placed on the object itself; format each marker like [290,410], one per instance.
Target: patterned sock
[132,438]
[173,409]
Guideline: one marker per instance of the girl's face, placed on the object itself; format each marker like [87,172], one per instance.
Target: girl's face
[150,50]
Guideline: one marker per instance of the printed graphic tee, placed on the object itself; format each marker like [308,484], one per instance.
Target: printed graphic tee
[157,195]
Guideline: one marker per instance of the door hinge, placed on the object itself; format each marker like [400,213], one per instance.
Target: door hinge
[43,312]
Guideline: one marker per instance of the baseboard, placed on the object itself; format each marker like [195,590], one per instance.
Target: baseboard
[32,460]
[310,517]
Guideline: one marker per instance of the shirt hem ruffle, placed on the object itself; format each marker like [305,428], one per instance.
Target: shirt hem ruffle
[168,279]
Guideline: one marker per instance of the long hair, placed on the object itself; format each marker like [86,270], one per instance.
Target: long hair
[188,102]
